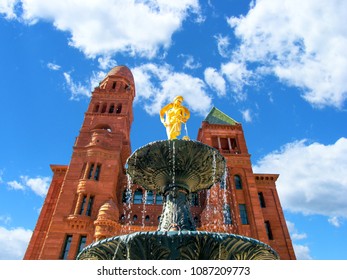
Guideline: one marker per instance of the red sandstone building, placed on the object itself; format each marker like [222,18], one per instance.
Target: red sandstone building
[88,200]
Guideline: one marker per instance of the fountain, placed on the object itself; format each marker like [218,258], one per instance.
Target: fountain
[175,168]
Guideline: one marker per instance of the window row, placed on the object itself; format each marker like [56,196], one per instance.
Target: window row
[225,144]
[107,108]
[147,218]
[91,171]
[67,246]
[149,197]
[228,217]
[140,197]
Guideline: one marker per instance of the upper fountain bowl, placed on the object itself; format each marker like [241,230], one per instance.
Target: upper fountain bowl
[187,164]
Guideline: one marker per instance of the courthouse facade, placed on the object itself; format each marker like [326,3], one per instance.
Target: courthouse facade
[89,199]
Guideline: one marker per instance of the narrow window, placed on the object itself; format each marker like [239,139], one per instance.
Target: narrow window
[82,243]
[83,170]
[125,198]
[194,201]
[96,108]
[66,247]
[233,145]
[238,182]
[158,199]
[90,205]
[147,218]
[215,142]
[114,84]
[224,144]
[97,172]
[119,109]
[83,205]
[90,173]
[138,196]
[268,230]
[111,110]
[227,214]
[104,107]
[243,214]
[149,197]
[261,200]
[135,218]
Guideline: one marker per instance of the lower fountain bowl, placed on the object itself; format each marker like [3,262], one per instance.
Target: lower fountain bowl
[178,245]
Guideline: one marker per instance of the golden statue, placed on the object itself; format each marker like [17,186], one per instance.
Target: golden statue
[176,114]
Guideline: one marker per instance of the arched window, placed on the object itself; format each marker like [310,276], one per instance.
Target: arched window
[158,199]
[111,110]
[119,109]
[104,107]
[149,197]
[238,182]
[138,196]
[104,127]
[96,108]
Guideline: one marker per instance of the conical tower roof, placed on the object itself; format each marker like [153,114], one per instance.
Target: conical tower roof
[216,116]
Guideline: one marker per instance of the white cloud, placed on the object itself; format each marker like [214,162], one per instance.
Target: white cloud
[158,85]
[312,177]
[39,185]
[53,66]
[84,89]
[303,43]
[335,221]
[15,185]
[223,43]
[190,62]
[13,243]
[302,252]
[246,115]
[107,26]
[7,7]
[295,235]
[238,76]
[215,80]
[106,62]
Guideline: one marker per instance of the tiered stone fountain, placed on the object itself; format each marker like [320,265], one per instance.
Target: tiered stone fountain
[175,168]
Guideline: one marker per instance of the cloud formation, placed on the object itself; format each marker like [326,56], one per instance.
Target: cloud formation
[312,177]
[125,26]
[287,39]
[13,243]
[39,185]
[157,85]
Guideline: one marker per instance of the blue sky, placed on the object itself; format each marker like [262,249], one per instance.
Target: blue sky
[278,67]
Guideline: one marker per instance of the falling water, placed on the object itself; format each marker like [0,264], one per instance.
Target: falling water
[128,201]
[144,209]
[173,163]
[223,185]
[185,128]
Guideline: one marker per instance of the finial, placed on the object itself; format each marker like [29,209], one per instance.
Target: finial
[175,114]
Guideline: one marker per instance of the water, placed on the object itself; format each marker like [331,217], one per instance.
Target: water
[173,163]
[144,209]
